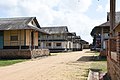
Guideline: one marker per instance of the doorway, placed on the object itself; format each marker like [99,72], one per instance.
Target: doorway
[1,39]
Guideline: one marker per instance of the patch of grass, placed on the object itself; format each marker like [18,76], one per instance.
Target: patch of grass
[97,53]
[10,62]
[54,54]
[99,62]
[99,65]
[91,52]
[86,73]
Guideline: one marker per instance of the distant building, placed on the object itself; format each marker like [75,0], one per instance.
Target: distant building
[77,45]
[100,35]
[85,44]
[109,46]
[58,40]
[117,16]
[19,38]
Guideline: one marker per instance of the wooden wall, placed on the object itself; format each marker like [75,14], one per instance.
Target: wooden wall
[24,38]
[8,34]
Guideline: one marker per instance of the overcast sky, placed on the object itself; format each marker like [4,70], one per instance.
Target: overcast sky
[79,15]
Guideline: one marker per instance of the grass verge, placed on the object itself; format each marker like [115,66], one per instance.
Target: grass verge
[99,63]
[10,62]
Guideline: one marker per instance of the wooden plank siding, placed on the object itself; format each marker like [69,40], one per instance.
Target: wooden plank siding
[8,34]
[24,38]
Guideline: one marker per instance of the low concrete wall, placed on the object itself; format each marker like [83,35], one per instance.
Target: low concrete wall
[22,54]
[39,52]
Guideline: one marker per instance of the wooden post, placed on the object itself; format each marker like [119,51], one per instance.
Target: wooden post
[112,17]
[102,38]
[30,40]
[20,41]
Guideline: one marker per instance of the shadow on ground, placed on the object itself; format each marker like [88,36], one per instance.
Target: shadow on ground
[92,58]
[86,58]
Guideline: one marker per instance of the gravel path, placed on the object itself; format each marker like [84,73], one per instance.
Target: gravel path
[62,66]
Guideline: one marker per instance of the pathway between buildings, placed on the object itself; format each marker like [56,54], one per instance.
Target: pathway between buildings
[64,66]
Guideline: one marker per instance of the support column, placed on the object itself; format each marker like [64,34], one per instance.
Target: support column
[34,39]
[102,38]
[20,41]
[112,16]
[30,40]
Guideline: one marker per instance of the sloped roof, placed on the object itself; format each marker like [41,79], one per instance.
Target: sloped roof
[77,37]
[104,24]
[98,28]
[84,42]
[55,30]
[19,23]
[71,33]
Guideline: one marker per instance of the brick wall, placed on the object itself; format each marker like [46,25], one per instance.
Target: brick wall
[114,65]
[118,48]
[113,69]
[22,54]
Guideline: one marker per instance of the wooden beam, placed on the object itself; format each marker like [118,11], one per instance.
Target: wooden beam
[112,16]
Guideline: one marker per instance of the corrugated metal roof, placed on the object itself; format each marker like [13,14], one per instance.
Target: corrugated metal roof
[19,23]
[56,30]
[105,24]
[98,28]
[15,23]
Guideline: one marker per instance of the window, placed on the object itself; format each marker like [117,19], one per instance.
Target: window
[58,36]
[39,44]
[58,44]
[48,44]
[14,38]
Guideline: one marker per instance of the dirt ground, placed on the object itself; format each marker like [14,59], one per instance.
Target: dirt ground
[64,66]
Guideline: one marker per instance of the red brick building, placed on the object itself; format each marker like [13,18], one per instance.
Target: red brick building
[113,57]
